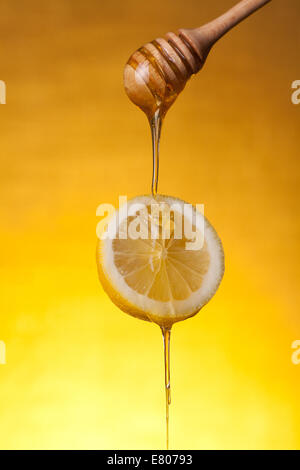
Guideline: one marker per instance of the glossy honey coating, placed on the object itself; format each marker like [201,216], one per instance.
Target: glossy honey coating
[157,72]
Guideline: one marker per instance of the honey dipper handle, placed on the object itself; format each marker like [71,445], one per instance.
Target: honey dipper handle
[205,36]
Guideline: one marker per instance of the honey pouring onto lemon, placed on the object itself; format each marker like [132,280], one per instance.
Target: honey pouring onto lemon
[156,272]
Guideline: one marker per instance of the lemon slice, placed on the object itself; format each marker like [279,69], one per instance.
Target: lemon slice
[160,265]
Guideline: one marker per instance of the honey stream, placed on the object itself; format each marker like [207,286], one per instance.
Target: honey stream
[146,70]
[166,338]
[155,124]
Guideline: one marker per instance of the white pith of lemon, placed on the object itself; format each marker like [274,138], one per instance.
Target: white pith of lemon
[160,280]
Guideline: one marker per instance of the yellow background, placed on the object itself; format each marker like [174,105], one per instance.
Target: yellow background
[79,372]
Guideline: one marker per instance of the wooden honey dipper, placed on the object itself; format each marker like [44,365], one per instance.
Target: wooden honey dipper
[156,73]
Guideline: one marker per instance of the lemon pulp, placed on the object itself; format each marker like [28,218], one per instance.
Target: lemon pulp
[164,278]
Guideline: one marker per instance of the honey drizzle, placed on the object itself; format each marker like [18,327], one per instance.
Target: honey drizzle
[166,338]
[155,125]
[155,117]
